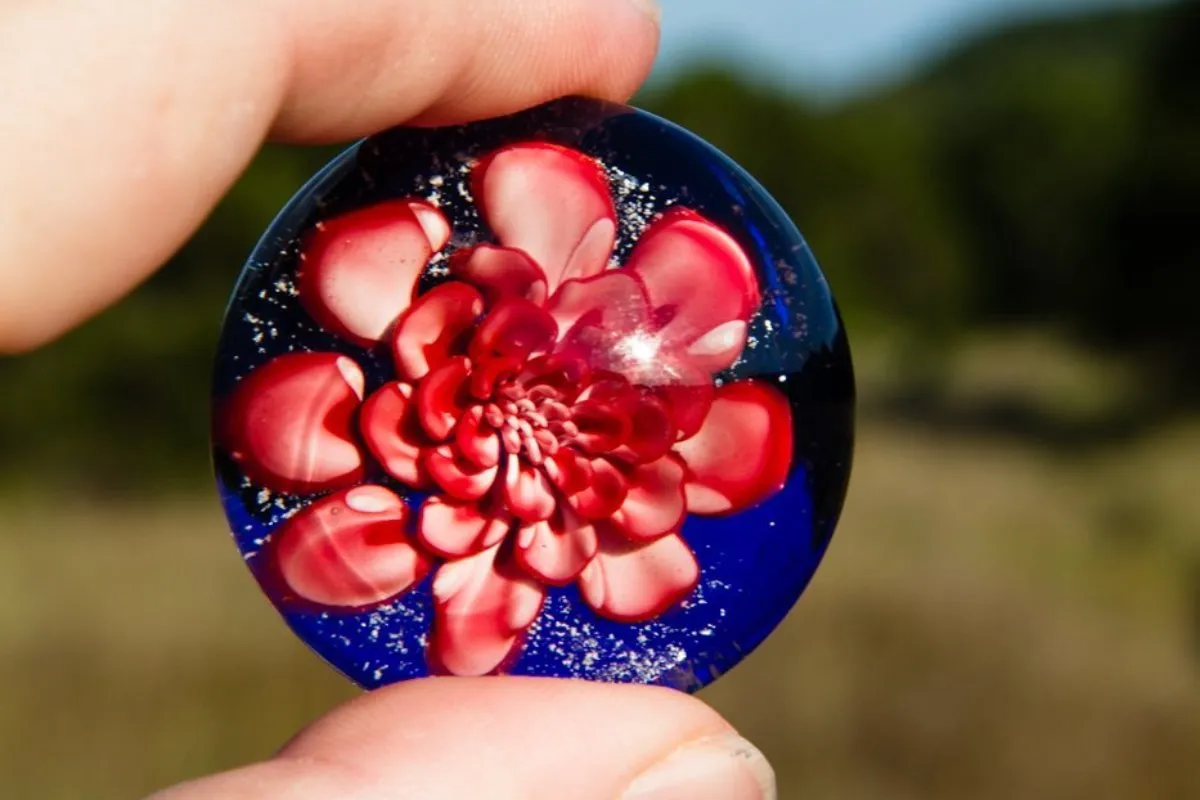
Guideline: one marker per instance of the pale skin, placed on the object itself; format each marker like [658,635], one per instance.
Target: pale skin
[123,122]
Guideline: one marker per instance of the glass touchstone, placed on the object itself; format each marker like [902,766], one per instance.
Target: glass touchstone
[559,394]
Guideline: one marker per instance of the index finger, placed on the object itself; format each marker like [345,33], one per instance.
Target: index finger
[123,124]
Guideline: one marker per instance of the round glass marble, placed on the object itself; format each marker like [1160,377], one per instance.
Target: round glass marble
[559,394]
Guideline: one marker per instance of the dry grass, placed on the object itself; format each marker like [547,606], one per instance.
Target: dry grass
[992,621]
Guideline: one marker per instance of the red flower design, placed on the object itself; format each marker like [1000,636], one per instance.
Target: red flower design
[562,411]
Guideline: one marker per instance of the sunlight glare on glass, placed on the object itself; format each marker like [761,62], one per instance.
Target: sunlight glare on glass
[640,347]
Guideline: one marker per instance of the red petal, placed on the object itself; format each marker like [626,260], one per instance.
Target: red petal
[569,471]
[557,550]
[720,348]
[476,440]
[655,504]
[527,492]
[629,582]
[602,427]
[515,328]
[689,402]
[435,225]
[289,424]
[358,272]
[454,529]
[649,416]
[393,434]
[652,431]
[560,373]
[457,476]
[482,609]
[613,301]
[604,493]
[501,272]
[551,202]
[441,398]
[485,375]
[349,550]
[435,328]
[608,323]
[683,251]
[606,387]
[743,452]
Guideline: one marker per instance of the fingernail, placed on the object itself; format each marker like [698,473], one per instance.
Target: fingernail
[650,8]
[721,768]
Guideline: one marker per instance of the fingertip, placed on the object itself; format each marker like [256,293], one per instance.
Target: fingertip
[633,718]
[512,736]
[175,103]
[491,60]
[493,738]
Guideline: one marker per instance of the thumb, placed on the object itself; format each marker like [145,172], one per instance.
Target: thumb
[133,119]
[502,738]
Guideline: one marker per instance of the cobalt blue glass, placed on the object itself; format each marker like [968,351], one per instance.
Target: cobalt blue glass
[559,394]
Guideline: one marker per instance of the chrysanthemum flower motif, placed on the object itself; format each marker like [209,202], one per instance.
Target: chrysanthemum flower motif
[559,411]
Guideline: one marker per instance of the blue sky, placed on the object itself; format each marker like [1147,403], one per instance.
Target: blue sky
[832,47]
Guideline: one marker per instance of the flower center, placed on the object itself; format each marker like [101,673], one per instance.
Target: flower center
[532,422]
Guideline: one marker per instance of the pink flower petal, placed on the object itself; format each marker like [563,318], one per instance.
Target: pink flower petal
[527,492]
[688,401]
[652,430]
[606,387]
[501,272]
[551,202]
[556,550]
[349,550]
[358,271]
[436,328]
[629,582]
[671,404]
[476,440]
[289,424]
[482,607]
[569,471]
[720,348]
[458,477]
[683,251]
[613,301]
[602,427]
[436,227]
[742,453]
[485,375]
[562,374]
[655,504]
[442,398]
[514,329]
[603,493]
[394,435]
[455,529]
[608,323]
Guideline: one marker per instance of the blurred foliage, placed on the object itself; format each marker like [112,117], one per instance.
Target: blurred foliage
[989,189]
[1047,175]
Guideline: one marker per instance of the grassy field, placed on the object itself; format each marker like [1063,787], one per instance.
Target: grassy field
[995,619]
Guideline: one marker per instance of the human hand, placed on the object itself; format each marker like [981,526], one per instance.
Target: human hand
[124,123]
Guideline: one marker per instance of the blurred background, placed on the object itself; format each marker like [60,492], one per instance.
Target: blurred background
[1006,198]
